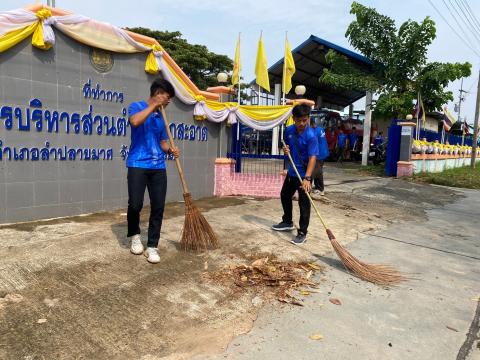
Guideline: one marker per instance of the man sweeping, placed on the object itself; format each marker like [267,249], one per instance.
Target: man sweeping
[302,144]
[146,166]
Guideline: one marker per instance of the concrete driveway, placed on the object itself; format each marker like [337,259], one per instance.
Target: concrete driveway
[436,315]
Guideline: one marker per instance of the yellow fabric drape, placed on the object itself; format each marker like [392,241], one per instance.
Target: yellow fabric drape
[151,66]
[12,38]
[264,113]
[37,39]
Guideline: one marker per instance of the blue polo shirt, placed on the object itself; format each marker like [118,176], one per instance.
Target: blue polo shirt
[145,151]
[342,140]
[322,143]
[307,147]
[353,139]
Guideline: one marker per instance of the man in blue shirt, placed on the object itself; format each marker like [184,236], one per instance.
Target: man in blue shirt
[302,145]
[341,145]
[379,139]
[322,154]
[146,166]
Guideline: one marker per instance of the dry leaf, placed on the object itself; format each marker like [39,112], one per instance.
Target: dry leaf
[316,337]
[304,292]
[335,301]
[244,278]
[260,262]
[41,321]
[205,266]
[309,274]
[320,305]
[476,299]
[313,266]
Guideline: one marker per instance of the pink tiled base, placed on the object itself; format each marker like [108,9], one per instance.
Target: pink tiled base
[228,182]
[404,169]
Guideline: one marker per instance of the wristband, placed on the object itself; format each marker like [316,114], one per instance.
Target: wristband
[308,178]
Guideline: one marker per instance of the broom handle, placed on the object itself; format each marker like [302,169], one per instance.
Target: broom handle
[172,144]
[308,195]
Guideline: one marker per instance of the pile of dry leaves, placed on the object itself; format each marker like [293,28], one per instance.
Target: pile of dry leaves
[270,275]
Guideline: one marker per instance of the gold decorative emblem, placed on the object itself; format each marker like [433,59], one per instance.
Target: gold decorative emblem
[101,60]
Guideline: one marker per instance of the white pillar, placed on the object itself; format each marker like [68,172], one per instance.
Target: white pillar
[367,124]
[278,95]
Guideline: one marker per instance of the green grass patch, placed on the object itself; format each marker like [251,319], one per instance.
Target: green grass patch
[464,177]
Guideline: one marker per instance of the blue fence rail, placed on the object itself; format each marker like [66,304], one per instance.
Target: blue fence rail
[452,139]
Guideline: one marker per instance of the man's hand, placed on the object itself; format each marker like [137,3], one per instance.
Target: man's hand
[286,150]
[307,185]
[175,152]
[161,99]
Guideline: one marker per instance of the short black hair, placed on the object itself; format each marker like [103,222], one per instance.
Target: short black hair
[162,85]
[301,110]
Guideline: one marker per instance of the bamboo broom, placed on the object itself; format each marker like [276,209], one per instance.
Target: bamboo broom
[375,273]
[197,234]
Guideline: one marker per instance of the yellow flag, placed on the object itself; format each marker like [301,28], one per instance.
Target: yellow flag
[236,64]
[261,71]
[288,68]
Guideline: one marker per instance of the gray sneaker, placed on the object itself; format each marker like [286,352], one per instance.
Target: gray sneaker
[283,226]
[299,239]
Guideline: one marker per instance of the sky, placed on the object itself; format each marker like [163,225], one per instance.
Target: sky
[216,24]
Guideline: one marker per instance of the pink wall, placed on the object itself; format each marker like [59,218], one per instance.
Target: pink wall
[228,182]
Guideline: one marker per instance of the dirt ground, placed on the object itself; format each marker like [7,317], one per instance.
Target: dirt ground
[70,289]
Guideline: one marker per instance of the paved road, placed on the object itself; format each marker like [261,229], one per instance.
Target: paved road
[432,317]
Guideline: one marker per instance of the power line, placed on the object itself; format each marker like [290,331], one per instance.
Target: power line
[465,33]
[470,11]
[450,26]
[474,30]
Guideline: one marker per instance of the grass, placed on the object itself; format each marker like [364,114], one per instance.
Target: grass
[369,170]
[464,177]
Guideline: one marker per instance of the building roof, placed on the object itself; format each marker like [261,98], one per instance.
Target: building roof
[309,63]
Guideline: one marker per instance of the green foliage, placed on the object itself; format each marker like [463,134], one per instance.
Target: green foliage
[200,65]
[400,69]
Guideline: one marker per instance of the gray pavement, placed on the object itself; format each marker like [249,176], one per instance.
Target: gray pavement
[434,316]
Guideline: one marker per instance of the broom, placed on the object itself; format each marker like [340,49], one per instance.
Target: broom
[374,273]
[197,233]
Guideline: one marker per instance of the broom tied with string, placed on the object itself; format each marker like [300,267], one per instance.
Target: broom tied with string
[375,273]
[197,234]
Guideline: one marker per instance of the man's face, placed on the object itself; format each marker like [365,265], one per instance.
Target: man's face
[162,97]
[301,122]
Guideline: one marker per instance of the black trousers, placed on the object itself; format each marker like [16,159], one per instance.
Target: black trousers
[318,175]
[156,183]
[290,186]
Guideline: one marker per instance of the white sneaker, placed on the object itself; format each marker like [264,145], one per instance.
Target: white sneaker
[136,247]
[322,193]
[152,255]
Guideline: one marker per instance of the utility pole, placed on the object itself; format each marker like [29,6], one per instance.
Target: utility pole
[475,126]
[461,98]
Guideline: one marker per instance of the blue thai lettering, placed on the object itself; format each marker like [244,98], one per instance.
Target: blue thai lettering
[109,95]
[101,152]
[34,153]
[192,133]
[7,114]
[19,115]
[180,131]
[110,130]
[122,124]
[124,152]
[95,154]
[62,153]
[186,134]
[120,97]
[72,154]
[80,153]
[87,153]
[75,121]
[99,119]
[54,153]
[87,122]
[37,115]
[45,152]
[173,130]
[65,118]
[24,154]
[110,154]
[204,133]
[87,91]
[52,120]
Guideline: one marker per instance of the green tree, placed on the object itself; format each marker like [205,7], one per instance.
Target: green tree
[400,69]
[200,64]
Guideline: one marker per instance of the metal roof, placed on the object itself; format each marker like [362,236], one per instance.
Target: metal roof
[309,63]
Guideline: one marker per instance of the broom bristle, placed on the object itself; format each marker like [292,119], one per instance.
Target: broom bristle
[197,234]
[379,274]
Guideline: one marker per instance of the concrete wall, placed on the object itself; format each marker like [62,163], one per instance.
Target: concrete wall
[32,189]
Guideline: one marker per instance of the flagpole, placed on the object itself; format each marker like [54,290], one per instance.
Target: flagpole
[239,72]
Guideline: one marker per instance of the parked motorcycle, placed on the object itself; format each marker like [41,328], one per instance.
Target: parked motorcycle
[377,153]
